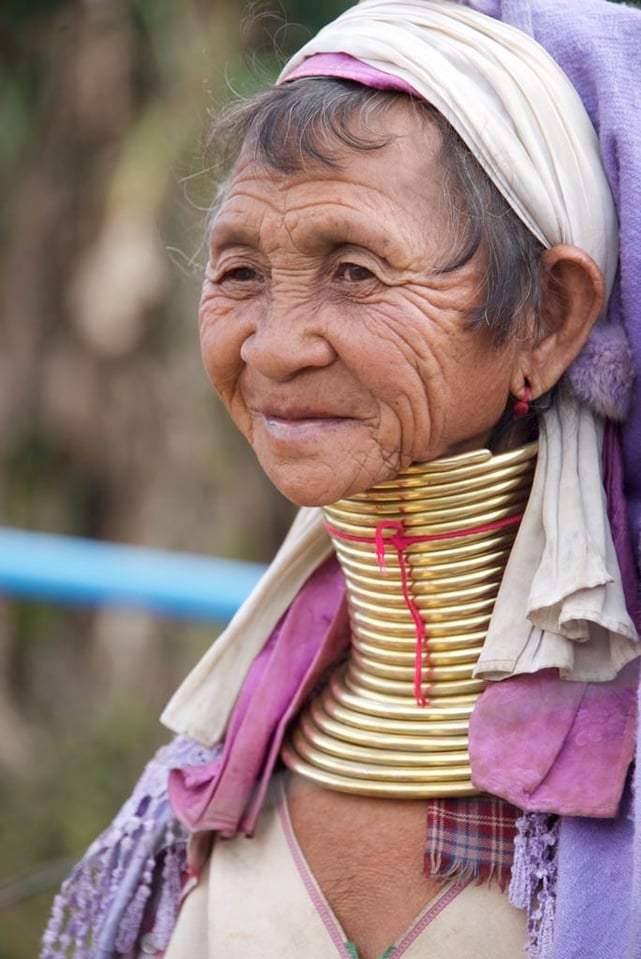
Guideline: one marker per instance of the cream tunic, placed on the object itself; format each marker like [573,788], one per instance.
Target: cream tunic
[258,898]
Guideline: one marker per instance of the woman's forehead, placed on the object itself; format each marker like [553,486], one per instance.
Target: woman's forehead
[405,155]
[312,144]
[375,195]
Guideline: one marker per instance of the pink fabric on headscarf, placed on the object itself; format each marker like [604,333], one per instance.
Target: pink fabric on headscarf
[343,66]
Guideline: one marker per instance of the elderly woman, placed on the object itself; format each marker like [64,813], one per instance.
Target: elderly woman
[411,247]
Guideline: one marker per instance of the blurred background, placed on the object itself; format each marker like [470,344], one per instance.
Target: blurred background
[108,428]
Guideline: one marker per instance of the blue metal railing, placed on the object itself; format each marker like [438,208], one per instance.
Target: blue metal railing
[45,566]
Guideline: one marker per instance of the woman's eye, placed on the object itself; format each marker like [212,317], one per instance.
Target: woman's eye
[239,274]
[354,273]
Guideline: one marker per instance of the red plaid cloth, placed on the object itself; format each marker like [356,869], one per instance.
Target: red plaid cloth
[470,839]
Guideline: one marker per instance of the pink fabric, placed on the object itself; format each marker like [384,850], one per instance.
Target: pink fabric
[311,636]
[346,67]
[549,745]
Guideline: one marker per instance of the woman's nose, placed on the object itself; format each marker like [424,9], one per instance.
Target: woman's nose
[287,340]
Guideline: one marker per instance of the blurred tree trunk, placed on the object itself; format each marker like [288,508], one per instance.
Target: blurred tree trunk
[107,427]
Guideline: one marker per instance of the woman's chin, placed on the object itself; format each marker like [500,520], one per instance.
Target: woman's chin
[308,496]
[311,489]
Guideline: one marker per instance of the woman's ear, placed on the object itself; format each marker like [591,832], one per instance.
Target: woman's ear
[572,298]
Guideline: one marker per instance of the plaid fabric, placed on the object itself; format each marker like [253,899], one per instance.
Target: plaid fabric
[470,839]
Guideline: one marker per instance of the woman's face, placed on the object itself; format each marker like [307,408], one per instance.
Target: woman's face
[339,349]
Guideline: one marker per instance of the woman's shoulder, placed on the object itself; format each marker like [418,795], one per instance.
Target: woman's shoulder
[135,868]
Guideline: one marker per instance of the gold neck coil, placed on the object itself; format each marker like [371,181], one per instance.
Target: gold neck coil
[423,557]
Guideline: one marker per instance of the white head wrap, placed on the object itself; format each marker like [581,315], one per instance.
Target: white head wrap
[506,98]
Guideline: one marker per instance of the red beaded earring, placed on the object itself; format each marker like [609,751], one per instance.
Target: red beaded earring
[522,407]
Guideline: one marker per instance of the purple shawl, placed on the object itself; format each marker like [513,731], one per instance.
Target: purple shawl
[598,44]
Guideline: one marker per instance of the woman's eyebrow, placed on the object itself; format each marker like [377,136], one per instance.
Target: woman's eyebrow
[224,237]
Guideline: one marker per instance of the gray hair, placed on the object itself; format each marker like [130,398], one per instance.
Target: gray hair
[312,120]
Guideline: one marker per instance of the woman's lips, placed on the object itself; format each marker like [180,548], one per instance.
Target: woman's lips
[300,426]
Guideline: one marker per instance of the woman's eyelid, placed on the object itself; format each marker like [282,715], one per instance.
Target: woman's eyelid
[366,259]
[240,266]
[355,272]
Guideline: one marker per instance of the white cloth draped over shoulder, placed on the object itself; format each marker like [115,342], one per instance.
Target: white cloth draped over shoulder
[561,603]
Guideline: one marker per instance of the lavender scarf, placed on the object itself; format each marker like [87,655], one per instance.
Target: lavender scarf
[598,45]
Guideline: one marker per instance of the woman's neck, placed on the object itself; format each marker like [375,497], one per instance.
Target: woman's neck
[423,557]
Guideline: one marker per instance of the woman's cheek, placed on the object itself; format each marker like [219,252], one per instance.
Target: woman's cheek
[220,350]
[207,337]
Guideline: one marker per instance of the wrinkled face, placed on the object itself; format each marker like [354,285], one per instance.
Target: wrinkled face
[340,349]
